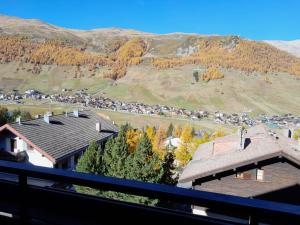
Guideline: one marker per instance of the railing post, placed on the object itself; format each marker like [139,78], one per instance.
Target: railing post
[253,220]
[23,215]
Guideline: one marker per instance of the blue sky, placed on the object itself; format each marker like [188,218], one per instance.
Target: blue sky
[255,19]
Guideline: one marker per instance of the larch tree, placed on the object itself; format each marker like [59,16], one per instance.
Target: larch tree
[132,138]
[159,143]
[177,131]
[186,148]
[150,131]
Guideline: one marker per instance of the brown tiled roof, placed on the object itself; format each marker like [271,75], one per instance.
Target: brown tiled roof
[263,146]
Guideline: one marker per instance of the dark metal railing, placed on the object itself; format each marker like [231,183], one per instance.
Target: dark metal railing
[31,203]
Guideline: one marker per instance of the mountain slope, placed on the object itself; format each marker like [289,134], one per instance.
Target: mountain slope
[292,47]
[137,66]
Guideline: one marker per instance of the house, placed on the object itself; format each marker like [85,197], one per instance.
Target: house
[55,141]
[172,142]
[257,163]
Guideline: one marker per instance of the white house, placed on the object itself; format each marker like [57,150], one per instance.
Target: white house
[55,140]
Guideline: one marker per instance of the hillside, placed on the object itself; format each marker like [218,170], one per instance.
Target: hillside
[250,75]
[292,47]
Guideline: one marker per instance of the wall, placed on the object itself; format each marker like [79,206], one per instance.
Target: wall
[5,137]
[36,158]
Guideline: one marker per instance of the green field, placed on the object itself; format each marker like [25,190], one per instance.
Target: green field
[237,92]
[138,121]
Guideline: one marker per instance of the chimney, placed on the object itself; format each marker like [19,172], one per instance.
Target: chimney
[50,114]
[76,112]
[241,138]
[98,126]
[18,120]
[288,133]
[47,118]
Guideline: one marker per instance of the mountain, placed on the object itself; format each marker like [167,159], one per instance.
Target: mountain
[185,70]
[292,47]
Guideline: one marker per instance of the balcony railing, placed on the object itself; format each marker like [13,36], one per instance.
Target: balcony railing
[22,202]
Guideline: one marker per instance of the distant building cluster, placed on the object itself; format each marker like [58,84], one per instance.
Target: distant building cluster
[80,97]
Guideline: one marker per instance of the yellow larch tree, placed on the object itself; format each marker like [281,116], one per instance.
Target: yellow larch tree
[186,148]
[177,131]
[159,143]
[132,138]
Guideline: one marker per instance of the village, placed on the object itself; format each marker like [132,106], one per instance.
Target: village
[101,102]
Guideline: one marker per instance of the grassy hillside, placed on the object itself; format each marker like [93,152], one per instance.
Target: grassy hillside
[236,92]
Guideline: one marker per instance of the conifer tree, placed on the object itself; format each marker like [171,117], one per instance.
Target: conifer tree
[90,162]
[4,117]
[144,166]
[116,153]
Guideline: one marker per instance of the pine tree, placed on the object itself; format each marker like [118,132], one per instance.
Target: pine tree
[4,117]
[169,176]
[115,154]
[90,162]
[144,166]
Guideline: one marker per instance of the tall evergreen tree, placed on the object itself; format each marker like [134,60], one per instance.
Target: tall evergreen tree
[169,176]
[90,162]
[4,116]
[115,154]
[144,166]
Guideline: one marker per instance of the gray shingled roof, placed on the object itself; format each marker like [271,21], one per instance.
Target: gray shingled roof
[65,134]
[263,146]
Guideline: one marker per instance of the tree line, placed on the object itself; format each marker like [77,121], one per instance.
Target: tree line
[233,52]
[7,116]
[141,155]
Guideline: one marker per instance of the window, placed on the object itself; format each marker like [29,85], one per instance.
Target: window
[259,175]
[65,164]
[244,175]
[30,148]
[76,157]
[13,144]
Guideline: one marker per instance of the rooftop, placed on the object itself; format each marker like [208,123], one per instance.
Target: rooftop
[223,153]
[65,134]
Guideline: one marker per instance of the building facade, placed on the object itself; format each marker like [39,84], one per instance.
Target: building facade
[55,141]
[257,163]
